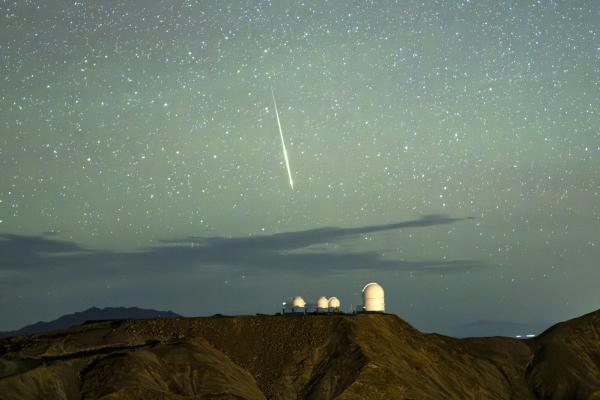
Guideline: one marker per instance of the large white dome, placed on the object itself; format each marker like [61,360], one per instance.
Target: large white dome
[298,302]
[373,297]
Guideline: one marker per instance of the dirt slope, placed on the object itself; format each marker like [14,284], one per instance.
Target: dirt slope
[297,357]
[566,360]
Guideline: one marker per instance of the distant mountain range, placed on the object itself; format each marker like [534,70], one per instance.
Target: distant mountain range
[486,328]
[91,314]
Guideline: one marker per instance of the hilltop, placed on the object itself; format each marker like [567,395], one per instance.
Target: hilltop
[368,356]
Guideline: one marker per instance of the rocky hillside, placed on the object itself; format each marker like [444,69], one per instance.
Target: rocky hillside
[297,357]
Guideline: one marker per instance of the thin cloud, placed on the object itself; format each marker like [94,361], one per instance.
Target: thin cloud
[288,251]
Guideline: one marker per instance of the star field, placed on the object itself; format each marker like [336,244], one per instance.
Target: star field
[128,124]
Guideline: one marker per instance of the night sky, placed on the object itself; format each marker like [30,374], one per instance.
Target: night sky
[449,150]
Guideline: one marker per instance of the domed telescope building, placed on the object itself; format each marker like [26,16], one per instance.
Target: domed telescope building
[334,305]
[373,298]
[322,305]
[296,306]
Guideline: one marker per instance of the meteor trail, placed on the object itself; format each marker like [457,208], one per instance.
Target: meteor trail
[285,154]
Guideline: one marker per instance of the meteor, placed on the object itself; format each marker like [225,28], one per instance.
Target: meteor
[285,154]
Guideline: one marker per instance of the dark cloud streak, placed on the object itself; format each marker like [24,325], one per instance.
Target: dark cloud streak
[287,251]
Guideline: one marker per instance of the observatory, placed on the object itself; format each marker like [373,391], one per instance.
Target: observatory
[373,302]
[334,305]
[322,305]
[298,305]
[373,298]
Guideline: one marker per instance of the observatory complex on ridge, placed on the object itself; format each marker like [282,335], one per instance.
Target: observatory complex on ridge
[373,302]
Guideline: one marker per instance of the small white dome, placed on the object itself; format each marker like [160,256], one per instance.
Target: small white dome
[298,302]
[334,302]
[322,302]
[373,297]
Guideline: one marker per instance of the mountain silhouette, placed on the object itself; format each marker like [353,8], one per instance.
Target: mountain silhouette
[91,314]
